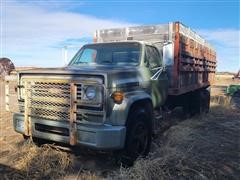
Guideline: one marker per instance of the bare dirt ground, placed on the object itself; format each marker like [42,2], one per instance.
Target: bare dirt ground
[203,147]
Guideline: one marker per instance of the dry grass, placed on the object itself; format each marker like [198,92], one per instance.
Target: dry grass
[221,99]
[205,147]
[28,161]
[86,175]
[225,80]
[32,162]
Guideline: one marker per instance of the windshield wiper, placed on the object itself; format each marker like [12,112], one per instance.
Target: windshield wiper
[78,63]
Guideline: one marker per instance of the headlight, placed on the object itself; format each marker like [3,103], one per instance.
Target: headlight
[90,92]
[92,95]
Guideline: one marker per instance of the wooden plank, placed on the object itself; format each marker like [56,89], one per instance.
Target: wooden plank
[176,56]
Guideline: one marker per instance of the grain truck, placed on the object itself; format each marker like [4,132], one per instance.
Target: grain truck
[106,97]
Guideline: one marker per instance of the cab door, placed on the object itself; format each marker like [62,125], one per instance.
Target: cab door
[158,75]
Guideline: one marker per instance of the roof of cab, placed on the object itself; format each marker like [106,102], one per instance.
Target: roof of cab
[125,41]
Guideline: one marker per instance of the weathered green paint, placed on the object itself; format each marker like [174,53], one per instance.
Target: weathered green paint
[136,82]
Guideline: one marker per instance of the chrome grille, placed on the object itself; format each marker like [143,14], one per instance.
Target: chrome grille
[49,100]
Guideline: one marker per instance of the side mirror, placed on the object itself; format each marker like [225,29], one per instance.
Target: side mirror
[157,73]
[146,63]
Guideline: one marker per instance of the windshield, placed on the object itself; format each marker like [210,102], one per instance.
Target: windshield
[110,53]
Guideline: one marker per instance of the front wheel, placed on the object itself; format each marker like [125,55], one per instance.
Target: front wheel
[138,137]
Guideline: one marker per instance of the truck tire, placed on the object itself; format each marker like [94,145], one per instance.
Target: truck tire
[138,137]
[186,107]
[206,95]
[200,102]
[195,103]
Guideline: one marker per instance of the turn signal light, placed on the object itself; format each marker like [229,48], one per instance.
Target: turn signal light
[118,97]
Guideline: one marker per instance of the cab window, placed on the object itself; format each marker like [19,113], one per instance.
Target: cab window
[152,57]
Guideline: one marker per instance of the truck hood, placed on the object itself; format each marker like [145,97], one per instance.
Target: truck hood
[113,76]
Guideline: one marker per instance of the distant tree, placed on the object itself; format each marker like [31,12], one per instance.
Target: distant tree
[6,66]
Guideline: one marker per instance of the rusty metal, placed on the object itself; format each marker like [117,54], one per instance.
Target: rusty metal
[45,99]
[49,100]
[193,60]
[73,116]
[176,55]
[55,99]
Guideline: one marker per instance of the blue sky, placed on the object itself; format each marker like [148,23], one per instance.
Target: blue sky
[33,33]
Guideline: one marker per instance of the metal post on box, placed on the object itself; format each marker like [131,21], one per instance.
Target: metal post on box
[73,109]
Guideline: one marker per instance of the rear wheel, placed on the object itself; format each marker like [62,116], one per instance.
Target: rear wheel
[138,137]
[186,107]
[200,102]
[206,103]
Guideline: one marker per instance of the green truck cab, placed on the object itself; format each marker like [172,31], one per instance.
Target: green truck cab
[106,96]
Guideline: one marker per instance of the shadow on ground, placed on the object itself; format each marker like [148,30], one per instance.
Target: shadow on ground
[8,172]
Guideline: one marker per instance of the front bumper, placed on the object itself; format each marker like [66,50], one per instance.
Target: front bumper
[94,136]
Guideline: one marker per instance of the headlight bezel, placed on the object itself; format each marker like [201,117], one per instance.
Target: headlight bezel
[90,93]
[97,100]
